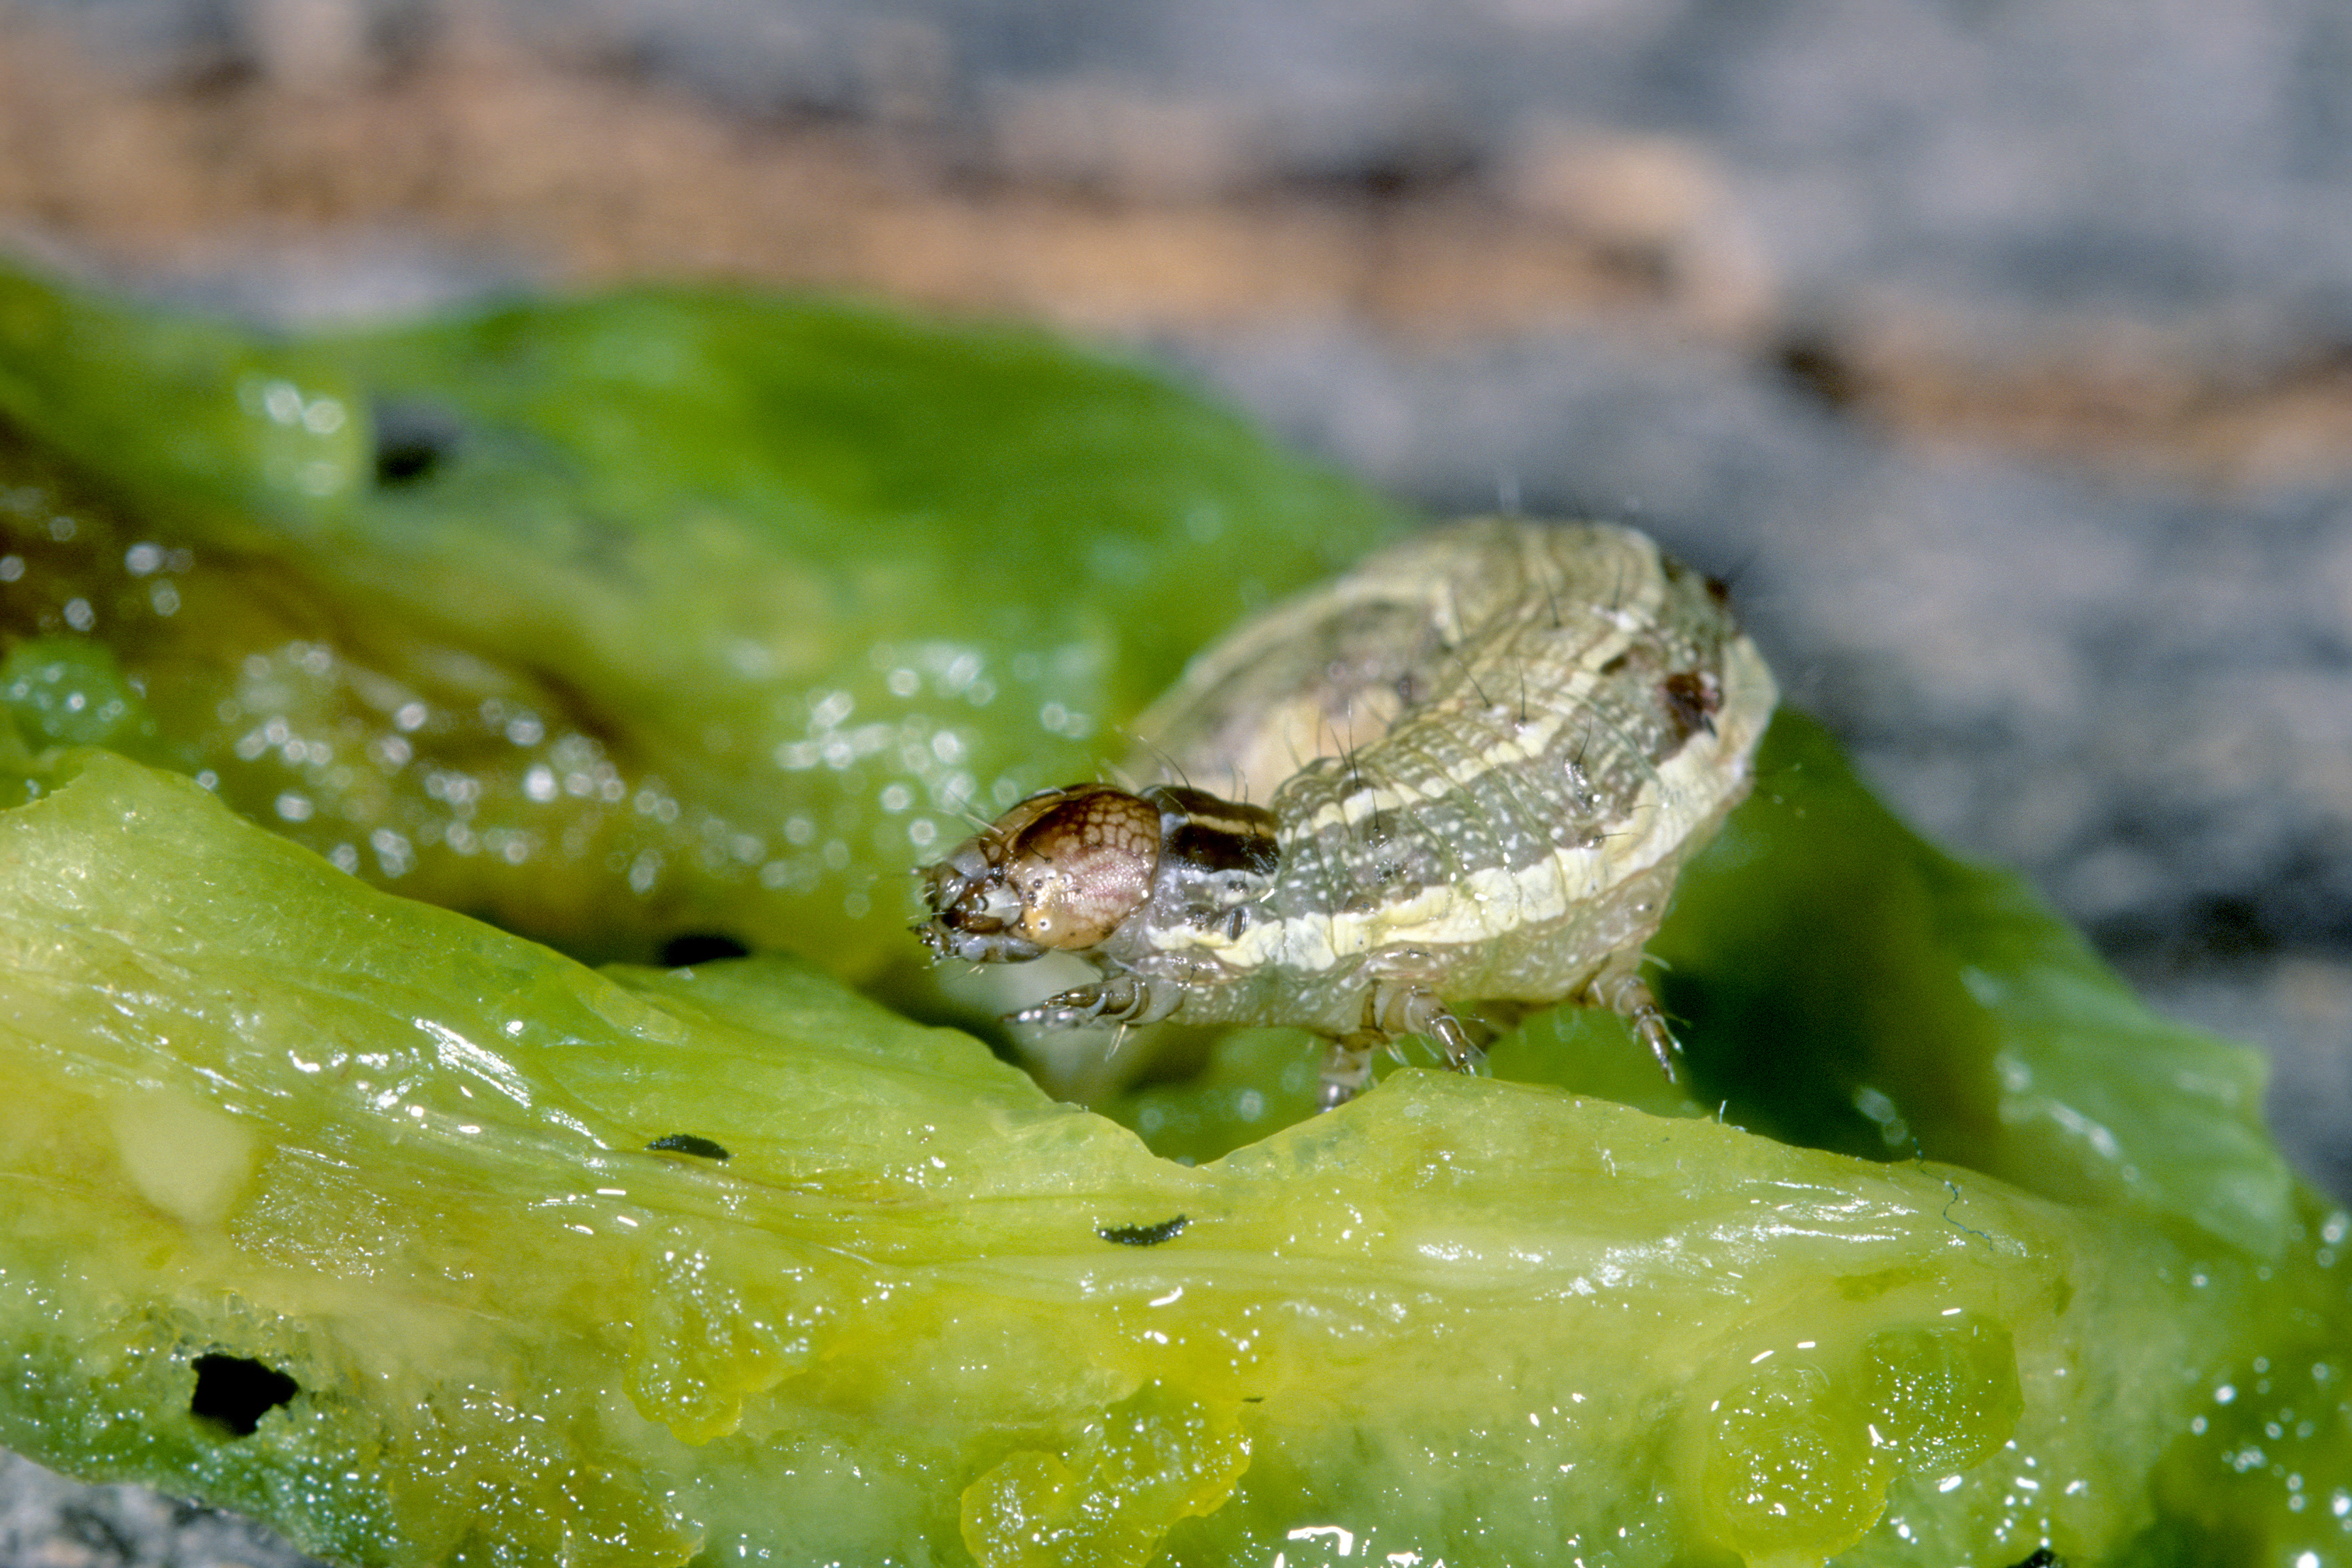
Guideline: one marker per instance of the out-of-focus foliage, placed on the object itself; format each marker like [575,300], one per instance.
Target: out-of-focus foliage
[615,620]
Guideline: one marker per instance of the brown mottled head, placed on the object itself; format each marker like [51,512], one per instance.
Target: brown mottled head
[1061,870]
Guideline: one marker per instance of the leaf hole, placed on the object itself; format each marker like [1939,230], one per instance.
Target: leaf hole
[235,1392]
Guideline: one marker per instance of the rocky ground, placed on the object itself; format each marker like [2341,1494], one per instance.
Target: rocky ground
[2002,354]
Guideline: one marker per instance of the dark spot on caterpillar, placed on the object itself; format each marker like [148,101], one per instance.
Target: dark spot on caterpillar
[2042,1558]
[235,1392]
[1615,665]
[412,440]
[700,947]
[1692,700]
[687,1143]
[1143,1235]
[1218,835]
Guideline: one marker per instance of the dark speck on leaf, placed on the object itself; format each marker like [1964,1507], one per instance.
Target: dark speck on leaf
[687,1143]
[1143,1235]
[412,440]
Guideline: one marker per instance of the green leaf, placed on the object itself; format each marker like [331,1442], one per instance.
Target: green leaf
[262,1117]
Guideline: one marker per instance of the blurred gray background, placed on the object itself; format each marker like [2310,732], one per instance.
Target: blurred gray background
[1999,351]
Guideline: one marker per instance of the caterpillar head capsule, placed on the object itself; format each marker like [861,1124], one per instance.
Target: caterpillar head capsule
[1062,869]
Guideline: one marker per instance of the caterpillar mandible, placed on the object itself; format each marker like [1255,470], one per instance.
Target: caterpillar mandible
[1469,769]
